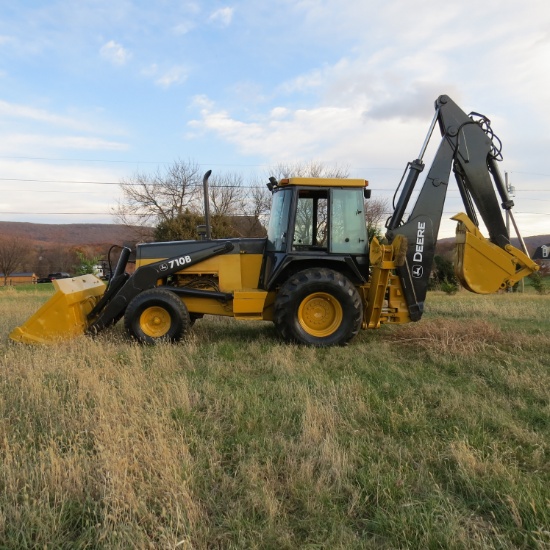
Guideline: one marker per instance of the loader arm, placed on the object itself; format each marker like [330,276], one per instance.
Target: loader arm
[109,310]
[83,304]
[468,148]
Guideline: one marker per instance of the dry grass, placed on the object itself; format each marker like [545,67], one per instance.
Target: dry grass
[433,434]
[453,337]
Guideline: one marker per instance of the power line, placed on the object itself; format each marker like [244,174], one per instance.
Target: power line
[530,174]
[87,160]
[446,213]
[64,181]
[119,183]
[52,191]
[59,213]
[115,161]
[91,182]
[244,165]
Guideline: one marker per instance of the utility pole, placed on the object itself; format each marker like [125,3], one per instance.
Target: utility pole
[511,190]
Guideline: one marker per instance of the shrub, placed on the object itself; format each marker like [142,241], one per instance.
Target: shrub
[449,287]
[539,283]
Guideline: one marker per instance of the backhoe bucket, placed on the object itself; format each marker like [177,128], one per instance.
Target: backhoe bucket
[64,315]
[483,267]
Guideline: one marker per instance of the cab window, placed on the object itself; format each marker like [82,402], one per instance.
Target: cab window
[311,223]
[278,222]
[347,222]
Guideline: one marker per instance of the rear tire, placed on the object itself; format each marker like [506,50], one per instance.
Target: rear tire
[156,315]
[318,307]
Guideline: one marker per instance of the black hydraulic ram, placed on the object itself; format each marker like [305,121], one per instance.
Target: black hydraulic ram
[123,288]
[468,149]
[116,282]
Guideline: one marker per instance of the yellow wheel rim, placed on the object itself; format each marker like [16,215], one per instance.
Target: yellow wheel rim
[320,314]
[155,321]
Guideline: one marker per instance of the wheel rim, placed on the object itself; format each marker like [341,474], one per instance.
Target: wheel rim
[155,321]
[320,314]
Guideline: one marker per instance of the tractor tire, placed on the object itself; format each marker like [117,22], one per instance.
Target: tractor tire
[318,307]
[156,315]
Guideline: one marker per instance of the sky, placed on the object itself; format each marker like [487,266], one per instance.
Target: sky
[94,91]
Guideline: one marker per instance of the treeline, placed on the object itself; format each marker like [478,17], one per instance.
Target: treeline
[21,254]
[168,204]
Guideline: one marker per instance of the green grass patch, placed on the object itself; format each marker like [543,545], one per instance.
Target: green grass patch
[427,435]
[46,288]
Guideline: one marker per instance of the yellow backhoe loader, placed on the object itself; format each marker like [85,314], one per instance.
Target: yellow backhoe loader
[315,276]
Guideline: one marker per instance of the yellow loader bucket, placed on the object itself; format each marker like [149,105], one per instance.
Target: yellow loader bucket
[64,315]
[483,267]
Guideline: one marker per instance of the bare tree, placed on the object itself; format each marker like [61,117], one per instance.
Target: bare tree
[149,199]
[227,195]
[311,169]
[47,259]
[171,200]
[237,208]
[376,213]
[257,208]
[13,253]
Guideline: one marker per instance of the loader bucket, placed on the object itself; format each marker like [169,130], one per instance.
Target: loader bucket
[64,315]
[483,267]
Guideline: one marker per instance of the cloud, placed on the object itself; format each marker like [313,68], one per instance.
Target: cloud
[184,27]
[34,131]
[31,144]
[25,116]
[115,53]
[387,81]
[81,143]
[203,103]
[174,75]
[15,110]
[384,82]
[335,133]
[416,104]
[165,78]
[222,17]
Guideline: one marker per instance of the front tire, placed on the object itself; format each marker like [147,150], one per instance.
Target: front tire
[318,307]
[156,315]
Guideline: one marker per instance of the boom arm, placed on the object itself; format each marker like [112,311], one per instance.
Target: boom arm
[467,146]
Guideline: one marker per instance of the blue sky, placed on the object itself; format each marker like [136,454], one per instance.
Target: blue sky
[95,90]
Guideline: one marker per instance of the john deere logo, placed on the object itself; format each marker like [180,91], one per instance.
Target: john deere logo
[417,271]
[163,267]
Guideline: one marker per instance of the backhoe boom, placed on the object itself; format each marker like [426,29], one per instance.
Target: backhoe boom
[471,150]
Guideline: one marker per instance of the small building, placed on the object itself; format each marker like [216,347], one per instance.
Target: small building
[19,278]
[542,253]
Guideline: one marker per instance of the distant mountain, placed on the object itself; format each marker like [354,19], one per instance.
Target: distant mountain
[95,233]
[533,242]
[75,233]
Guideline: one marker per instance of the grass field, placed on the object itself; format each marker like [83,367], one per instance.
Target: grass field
[428,435]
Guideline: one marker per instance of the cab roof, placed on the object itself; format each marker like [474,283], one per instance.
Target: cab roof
[323,182]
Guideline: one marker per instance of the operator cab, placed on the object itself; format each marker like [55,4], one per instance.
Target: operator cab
[312,214]
[317,219]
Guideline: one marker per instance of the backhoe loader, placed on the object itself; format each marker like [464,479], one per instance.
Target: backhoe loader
[315,276]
